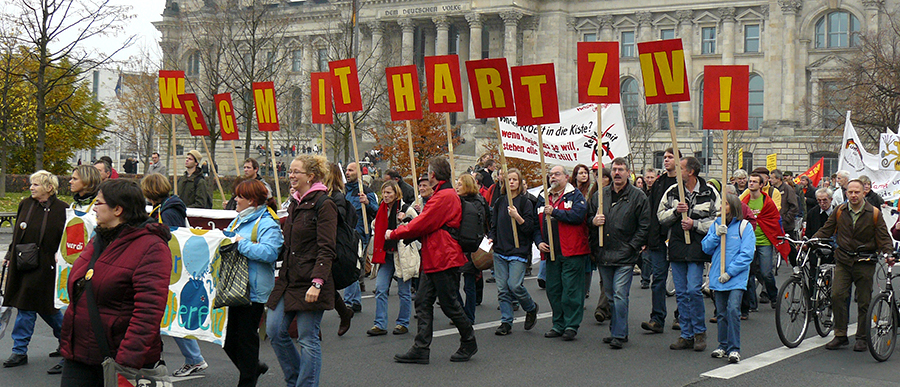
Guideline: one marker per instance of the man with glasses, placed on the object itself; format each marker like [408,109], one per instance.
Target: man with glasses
[566,208]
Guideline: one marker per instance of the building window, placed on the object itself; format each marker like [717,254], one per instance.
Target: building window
[667,33]
[658,159]
[831,161]
[193,64]
[747,162]
[837,29]
[631,98]
[833,101]
[627,44]
[297,60]
[699,156]
[589,37]
[323,59]
[708,43]
[700,105]
[453,40]
[751,38]
[485,43]
[664,115]
[755,99]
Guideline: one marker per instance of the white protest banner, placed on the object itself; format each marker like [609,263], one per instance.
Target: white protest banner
[889,150]
[76,235]
[192,286]
[571,142]
[856,160]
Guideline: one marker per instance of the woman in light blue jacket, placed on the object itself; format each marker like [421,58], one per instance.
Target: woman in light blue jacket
[729,285]
[259,238]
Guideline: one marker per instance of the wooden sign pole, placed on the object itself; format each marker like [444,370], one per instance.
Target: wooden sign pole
[274,167]
[358,170]
[546,192]
[212,168]
[174,160]
[412,160]
[449,148]
[322,129]
[599,168]
[237,164]
[506,178]
[724,179]
[684,216]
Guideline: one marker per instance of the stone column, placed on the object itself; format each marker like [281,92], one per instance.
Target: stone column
[686,19]
[463,51]
[873,14]
[570,66]
[441,45]
[728,46]
[510,33]
[475,31]
[377,29]
[646,33]
[790,9]
[407,46]
[606,32]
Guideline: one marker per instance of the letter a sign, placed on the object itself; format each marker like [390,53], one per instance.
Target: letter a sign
[444,84]
[403,92]
[266,111]
[663,70]
[598,72]
[321,98]
[491,88]
[535,89]
[225,110]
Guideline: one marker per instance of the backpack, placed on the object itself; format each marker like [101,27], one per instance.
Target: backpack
[875,214]
[470,233]
[345,268]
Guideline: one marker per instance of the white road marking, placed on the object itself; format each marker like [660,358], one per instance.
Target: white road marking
[487,325]
[186,378]
[770,357]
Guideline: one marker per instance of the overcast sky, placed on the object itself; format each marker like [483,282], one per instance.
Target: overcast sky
[146,36]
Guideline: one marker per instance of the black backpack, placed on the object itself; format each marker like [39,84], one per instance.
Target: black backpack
[345,268]
[471,227]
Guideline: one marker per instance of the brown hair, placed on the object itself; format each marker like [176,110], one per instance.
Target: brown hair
[256,192]
[467,185]
[155,187]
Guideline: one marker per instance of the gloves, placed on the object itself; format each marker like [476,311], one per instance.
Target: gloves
[724,278]
[721,230]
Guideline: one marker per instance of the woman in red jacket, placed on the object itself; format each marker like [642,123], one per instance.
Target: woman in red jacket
[127,264]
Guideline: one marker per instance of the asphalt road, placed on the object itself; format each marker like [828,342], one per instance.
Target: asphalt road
[526,357]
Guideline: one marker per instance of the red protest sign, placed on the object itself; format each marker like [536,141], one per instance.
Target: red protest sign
[534,86]
[266,111]
[403,92]
[171,84]
[345,86]
[598,72]
[443,80]
[193,115]
[726,91]
[320,97]
[663,71]
[491,88]
[227,122]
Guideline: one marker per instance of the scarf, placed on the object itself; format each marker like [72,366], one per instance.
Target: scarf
[84,200]
[385,219]
[769,219]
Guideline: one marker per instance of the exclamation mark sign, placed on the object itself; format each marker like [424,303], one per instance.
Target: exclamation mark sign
[322,100]
[725,99]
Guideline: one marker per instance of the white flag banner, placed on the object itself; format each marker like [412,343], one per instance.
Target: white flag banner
[856,160]
[889,150]
[571,142]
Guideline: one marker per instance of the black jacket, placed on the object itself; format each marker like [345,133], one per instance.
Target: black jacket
[409,194]
[815,219]
[656,237]
[501,229]
[626,228]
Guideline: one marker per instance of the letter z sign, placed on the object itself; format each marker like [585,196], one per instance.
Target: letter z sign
[663,70]
[598,72]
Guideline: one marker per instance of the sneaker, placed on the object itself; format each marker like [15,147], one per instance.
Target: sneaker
[745,317]
[682,343]
[713,320]
[763,299]
[376,331]
[490,280]
[503,330]
[56,370]
[531,318]
[676,326]
[542,283]
[356,308]
[645,285]
[837,342]
[652,326]
[734,357]
[617,343]
[552,334]
[569,335]
[607,340]
[400,330]
[700,342]
[188,369]
[719,353]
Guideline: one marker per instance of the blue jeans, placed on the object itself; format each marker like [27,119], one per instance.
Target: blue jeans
[646,267]
[617,285]
[510,275]
[190,348]
[688,277]
[660,267]
[382,285]
[300,368]
[542,274]
[763,269]
[24,328]
[469,289]
[352,295]
[728,306]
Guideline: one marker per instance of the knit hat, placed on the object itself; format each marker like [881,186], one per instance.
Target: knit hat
[196,155]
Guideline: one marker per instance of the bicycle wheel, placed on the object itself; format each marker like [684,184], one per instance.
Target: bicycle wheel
[792,312]
[822,312]
[882,327]
[670,286]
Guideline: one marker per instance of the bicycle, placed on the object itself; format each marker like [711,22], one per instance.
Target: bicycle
[806,295]
[882,316]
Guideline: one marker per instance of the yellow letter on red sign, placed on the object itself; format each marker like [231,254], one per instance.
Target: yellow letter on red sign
[403,92]
[193,115]
[490,86]
[444,84]
[534,87]
[226,116]
[598,72]
[345,85]
[663,70]
[171,84]
[266,111]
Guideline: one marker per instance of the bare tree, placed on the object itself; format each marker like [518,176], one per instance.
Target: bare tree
[54,31]
[138,108]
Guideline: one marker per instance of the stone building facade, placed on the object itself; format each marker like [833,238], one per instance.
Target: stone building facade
[791,46]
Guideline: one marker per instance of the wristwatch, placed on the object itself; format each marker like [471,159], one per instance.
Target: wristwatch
[317,285]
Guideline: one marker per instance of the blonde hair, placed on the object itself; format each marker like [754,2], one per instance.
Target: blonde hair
[155,187]
[521,188]
[47,180]
[467,185]
[316,166]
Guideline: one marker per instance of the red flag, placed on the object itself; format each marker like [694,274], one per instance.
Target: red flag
[814,172]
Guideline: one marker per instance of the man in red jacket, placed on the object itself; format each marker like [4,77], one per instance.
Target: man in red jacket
[441,258]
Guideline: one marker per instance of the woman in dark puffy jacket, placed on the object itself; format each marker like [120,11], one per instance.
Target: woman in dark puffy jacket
[304,288]
[127,264]
[472,279]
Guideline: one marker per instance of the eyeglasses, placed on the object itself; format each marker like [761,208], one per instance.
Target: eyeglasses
[99,203]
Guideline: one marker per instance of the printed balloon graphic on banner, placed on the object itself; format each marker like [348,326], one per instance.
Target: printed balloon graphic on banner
[196,256]
[76,235]
[177,266]
[194,309]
